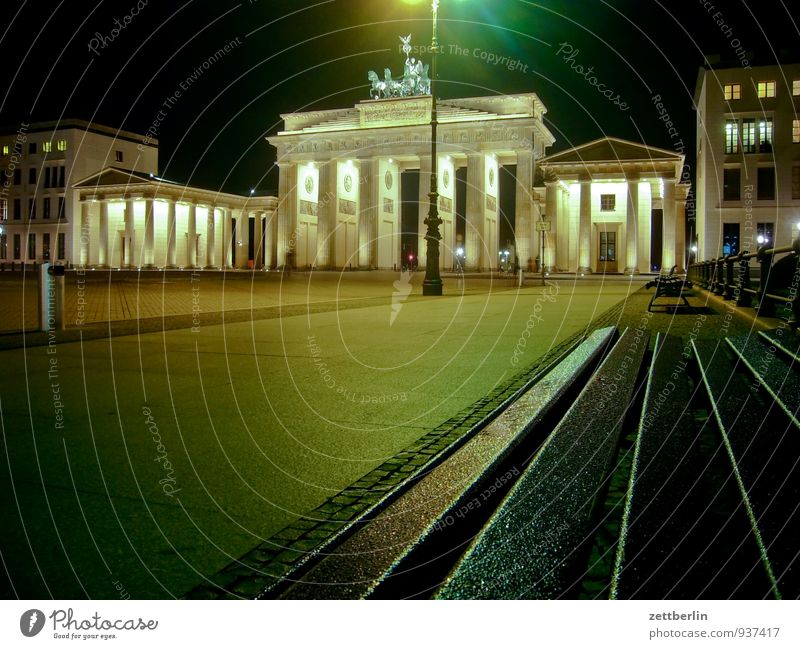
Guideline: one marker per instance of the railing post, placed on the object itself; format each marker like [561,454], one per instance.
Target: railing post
[744,298]
[794,318]
[720,288]
[765,306]
[729,278]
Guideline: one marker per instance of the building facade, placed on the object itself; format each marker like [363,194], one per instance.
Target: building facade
[39,207]
[748,158]
[602,202]
[87,195]
[340,170]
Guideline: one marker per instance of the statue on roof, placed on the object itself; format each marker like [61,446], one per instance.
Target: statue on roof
[415,79]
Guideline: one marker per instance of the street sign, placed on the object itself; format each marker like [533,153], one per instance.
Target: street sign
[543,226]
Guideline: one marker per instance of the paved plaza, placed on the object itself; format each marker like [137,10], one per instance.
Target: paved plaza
[147,462]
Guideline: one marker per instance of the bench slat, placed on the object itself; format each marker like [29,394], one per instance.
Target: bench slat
[532,546]
[762,447]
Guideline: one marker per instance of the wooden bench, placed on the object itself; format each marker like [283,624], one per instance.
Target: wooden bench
[669,286]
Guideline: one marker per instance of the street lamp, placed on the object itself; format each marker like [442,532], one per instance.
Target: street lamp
[432,285]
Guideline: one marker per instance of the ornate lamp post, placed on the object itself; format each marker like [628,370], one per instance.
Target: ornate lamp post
[433,281]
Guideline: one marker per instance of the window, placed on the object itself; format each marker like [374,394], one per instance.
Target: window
[62,245]
[17,176]
[796,183]
[47,147]
[608,246]
[61,145]
[766,89]
[796,131]
[32,176]
[765,135]
[31,208]
[17,209]
[3,209]
[732,91]
[47,177]
[32,148]
[608,202]
[749,135]
[732,183]
[46,246]
[730,239]
[765,234]
[6,149]
[118,156]
[796,87]
[3,246]
[32,246]
[61,176]
[61,207]
[766,184]
[46,208]
[731,136]
[17,246]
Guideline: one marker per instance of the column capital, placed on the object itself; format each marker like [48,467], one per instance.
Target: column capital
[632,177]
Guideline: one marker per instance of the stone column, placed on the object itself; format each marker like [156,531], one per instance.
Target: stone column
[668,251]
[85,231]
[326,213]
[227,238]
[632,228]
[552,214]
[476,199]
[243,236]
[424,208]
[191,237]
[680,232]
[368,217]
[270,221]
[287,213]
[585,228]
[172,237]
[211,239]
[563,232]
[258,240]
[130,235]
[149,233]
[525,230]
[102,252]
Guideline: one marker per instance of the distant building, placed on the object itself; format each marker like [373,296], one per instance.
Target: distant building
[604,202]
[748,158]
[89,195]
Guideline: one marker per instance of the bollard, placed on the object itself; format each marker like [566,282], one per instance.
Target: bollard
[51,297]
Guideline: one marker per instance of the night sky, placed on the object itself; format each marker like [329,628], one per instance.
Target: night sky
[300,55]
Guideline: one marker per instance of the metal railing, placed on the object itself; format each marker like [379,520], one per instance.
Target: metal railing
[721,277]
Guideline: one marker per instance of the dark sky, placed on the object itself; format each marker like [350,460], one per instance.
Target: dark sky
[308,54]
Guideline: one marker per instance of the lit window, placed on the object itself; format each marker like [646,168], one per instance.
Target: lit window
[732,91]
[6,149]
[796,130]
[765,135]
[61,145]
[749,135]
[765,233]
[608,202]
[47,147]
[766,89]
[731,136]
[796,87]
